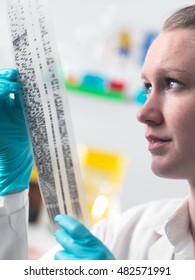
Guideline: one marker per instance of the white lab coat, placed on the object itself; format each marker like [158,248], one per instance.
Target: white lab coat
[156,230]
[13,226]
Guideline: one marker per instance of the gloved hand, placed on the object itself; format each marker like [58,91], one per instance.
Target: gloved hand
[78,242]
[15,152]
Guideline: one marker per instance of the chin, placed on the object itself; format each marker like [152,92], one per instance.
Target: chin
[165,172]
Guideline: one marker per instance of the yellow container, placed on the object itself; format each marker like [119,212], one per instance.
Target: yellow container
[102,177]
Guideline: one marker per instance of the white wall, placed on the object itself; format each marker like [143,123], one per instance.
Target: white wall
[102,123]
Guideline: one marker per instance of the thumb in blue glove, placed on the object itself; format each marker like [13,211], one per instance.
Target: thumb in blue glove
[15,151]
[78,242]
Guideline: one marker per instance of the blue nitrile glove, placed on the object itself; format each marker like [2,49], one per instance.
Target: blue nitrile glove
[78,242]
[15,152]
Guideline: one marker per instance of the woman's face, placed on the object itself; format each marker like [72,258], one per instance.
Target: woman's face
[169,112]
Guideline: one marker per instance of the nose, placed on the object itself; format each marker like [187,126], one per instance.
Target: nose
[151,111]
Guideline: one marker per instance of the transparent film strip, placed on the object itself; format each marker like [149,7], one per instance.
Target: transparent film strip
[46,109]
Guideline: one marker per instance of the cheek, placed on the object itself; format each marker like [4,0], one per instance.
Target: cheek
[181,122]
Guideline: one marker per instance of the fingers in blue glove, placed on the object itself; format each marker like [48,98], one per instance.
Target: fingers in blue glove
[78,242]
[7,87]
[72,226]
[64,255]
[9,84]
[9,74]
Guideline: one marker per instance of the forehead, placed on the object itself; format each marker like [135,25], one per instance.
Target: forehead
[172,49]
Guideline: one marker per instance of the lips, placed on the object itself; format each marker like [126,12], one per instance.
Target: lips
[157,143]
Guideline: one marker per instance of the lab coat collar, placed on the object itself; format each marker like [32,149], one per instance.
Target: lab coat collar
[179,233]
[161,249]
[175,240]
[178,224]
[162,217]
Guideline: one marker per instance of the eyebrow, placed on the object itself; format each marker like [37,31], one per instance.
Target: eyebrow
[166,70]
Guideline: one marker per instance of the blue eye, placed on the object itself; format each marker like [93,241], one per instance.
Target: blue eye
[172,83]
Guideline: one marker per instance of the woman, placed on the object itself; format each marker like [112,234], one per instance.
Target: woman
[160,229]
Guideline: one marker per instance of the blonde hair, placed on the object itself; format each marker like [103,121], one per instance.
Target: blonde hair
[182,18]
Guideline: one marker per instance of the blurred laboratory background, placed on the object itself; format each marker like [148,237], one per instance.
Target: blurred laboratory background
[102,45]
